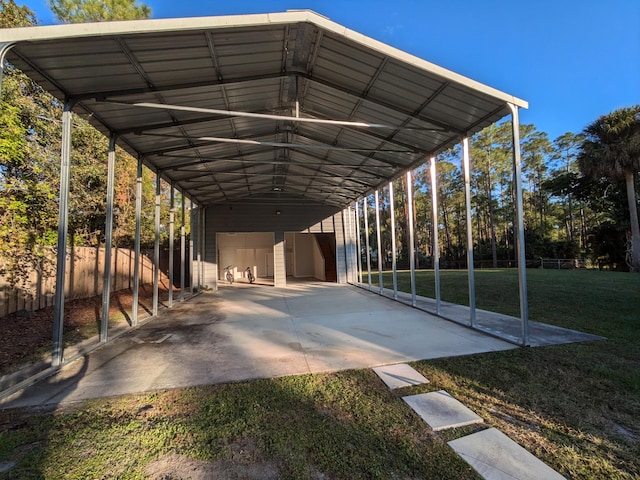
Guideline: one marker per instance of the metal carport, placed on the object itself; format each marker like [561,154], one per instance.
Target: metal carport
[258,113]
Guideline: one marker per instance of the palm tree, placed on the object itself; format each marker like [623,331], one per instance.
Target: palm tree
[611,149]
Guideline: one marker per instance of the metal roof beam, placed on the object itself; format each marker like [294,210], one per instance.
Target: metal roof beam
[239,158]
[304,146]
[287,118]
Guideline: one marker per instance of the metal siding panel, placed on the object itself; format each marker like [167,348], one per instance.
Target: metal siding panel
[263,218]
[279,260]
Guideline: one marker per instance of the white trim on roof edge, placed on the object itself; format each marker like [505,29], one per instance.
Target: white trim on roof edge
[133,27]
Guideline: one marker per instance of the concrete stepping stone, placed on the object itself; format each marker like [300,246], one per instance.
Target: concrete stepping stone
[399,375]
[496,457]
[441,411]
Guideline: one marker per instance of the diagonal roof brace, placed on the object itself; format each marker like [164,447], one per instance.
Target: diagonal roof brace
[236,113]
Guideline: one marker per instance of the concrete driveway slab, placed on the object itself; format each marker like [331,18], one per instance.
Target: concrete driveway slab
[247,331]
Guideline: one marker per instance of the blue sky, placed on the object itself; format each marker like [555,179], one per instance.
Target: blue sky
[572,60]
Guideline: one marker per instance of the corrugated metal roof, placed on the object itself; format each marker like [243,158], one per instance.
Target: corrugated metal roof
[166,87]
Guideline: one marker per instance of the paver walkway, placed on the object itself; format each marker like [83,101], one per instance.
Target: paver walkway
[491,453]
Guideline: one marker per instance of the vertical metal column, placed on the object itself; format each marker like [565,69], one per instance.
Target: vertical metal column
[191,253]
[350,251]
[172,215]
[412,247]
[108,241]
[200,248]
[522,273]
[436,243]
[156,248]
[359,246]
[366,238]
[4,49]
[136,266]
[183,248]
[379,242]
[196,248]
[467,195]
[394,262]
[63,222]
[345,243]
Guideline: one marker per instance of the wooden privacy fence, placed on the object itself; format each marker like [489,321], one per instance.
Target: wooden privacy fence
[84,278]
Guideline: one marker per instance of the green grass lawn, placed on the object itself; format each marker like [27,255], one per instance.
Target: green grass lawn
[577,407]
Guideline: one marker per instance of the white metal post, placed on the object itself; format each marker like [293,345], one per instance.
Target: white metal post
[136,266]
[379,241]
[522,273]
[191,253]
[436,245]
[358,246]
[394,262]
[412,247]
[108,243]
[172,215]
[366,238]
[183,248]
[345,243]
[63,222]
[350,250]
[156,248]
[467,194]
[201,248]
[4,49]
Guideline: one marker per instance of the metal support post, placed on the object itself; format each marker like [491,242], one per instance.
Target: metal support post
[436,246]
[200,247]
[345,243]
[4,49]
[172,215]
[379,241]
[366,238]
[394,262]
[359,246]
[522,273]
[108,240]
[136,265]
[183,248]
[191,253]
[412,247]
[156,248]
[348,221]
[467,195]
[63,222]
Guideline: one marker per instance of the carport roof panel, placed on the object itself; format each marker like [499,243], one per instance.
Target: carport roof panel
[261,64]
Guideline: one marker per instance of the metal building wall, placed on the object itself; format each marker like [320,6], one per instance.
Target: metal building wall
[248,218]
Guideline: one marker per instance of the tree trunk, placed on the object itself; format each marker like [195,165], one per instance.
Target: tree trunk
[447,228]
[635,227]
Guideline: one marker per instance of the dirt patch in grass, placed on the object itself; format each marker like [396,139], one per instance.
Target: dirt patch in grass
[243,462]
[26,336]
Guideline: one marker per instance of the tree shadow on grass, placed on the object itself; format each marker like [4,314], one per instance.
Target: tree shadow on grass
[346,425]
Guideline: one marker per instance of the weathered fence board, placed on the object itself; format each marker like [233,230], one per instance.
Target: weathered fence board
[84,278]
